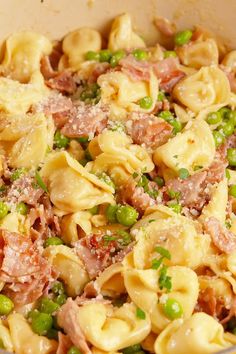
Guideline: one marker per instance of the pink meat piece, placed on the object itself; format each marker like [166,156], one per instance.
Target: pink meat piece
[62,82]
[22,190]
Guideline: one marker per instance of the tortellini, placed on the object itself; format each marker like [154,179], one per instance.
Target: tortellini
[69,267]
[71,187]
[71,222]
[199,53]
[200,333]
[194,146]
[15,222]
[25,341]
[29,137]
[230,60]
[122,93]
[112,328]
[122,35]
[5,337]
[111,282]
[208,86]
[119,157]
[76,44]
[22,54]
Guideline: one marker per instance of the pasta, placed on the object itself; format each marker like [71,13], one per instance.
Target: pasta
[117,193]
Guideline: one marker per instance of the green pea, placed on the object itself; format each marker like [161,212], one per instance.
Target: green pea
[214,118]
[73,350]
[53,241]
[105,55]
[224,111]
[82,139]
[183,173]
[116,57]
[166,115]
[6,305]
[176,207]
[231,156]
[173,309]
[161,96]
[159,181]
[140,54]
[33,314]
[91,55]
[132,349]
[145,102]
[58,287]
[232,190]
[183,37]
[52,333]
[17,174]
[60,141]
[3,210]
[126,215]
[61,299]
[227,128]
[42,323]
[94,210]
[170,54]
[48,306]
[111,213]
[22,208]
[124,237]
[232,117]
[177,125]
[218,138]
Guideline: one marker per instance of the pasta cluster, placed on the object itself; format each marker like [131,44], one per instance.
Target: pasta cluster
[117,193]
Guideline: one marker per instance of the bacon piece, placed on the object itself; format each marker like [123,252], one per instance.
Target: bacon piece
[64,343]
[88,121]
[167,28]
[24,270]
[222,238]
[131,194]
[22,190]
[137,70]
[99,69]
[67,319]
[148,130]
[62,82]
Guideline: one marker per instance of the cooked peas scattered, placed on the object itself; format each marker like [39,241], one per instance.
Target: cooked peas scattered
[183,173]
[116,57]
[224,111]
[172,309]
[232,190]
[48,306]
[166,115]
[74,350]
[111,213]
[91,55]
[17,174]
[227,128]
[231,156]
[177,125]
[22,208]
[6,305]
[126,215]
[140,54]
[159,181]
[41,323]
[161,96]
[176,207]
[105,55]
[170,54]
[94,210]
[231,116]
[145,102]
[183,37]
[218,138]
[60,140]
[61,299]
[82,139]
[3,210]
[132,349]
[214,118]
[53,241]
[58,287]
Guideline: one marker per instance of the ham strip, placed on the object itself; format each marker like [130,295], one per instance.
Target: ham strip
[148,130]
[67,319]
[62,82]
[222,238]
[24,270]
[22,190]
[64,343]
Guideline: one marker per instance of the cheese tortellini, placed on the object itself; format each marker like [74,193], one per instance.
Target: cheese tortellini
[207,87]
[71,187]
[194,146]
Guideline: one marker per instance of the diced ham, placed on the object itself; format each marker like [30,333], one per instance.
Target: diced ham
[222,238]
[62,82]
[148,129]
[133,195]
[23,190]
[165,26]
[99,69]
[137,70]
[88,121]
[64,343]
[209,303]
[24,270]
[55,103]
[67,319]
